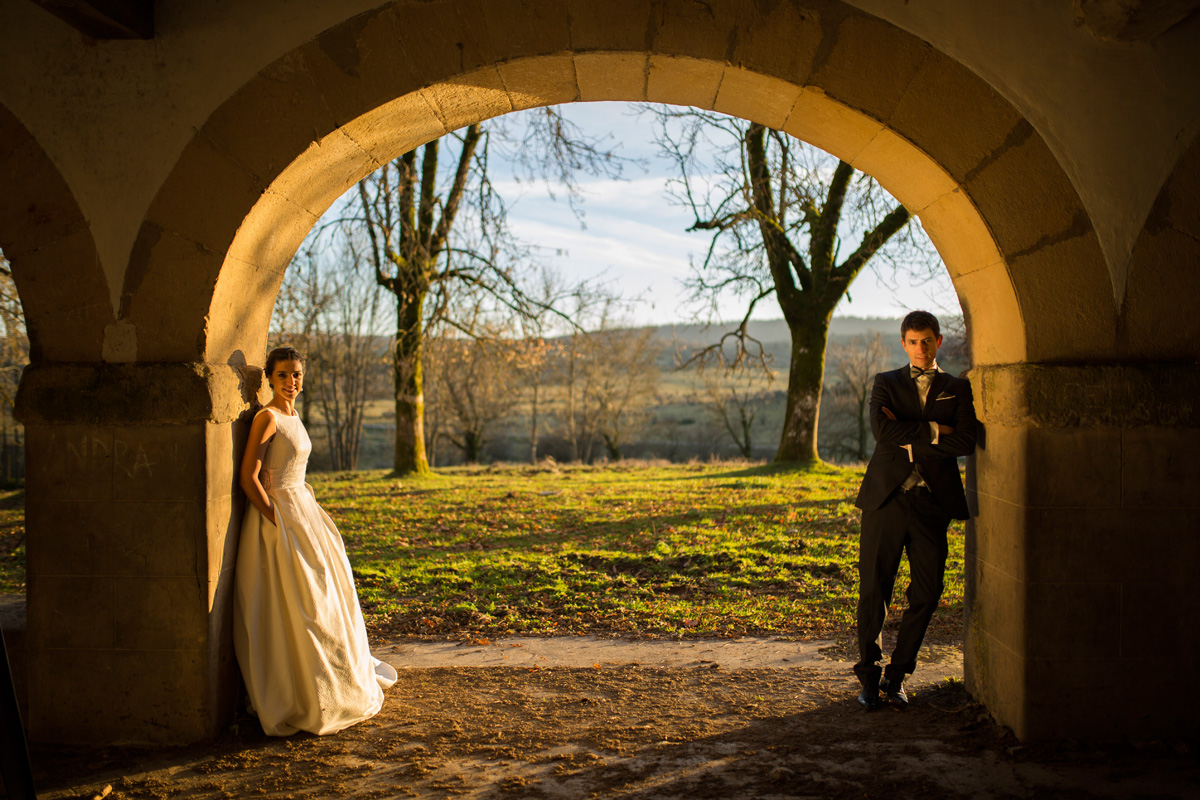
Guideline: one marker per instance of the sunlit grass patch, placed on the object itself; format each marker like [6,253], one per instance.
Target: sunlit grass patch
[628,549]
[696,549]
[659,549]
[12,541]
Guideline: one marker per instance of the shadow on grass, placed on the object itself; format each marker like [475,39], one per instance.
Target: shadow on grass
[769,469]
[14,501]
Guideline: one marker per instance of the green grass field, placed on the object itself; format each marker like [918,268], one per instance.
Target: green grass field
[696,550]
[704,550]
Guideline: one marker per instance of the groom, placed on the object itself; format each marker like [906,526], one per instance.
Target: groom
[923,420]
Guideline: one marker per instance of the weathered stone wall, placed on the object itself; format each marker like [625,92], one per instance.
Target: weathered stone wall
[1082,556]
[132,501]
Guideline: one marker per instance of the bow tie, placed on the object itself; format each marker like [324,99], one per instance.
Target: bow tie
[916,372]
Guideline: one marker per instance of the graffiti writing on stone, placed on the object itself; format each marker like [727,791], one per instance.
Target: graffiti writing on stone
[133,462]
[87,450]
[92,452]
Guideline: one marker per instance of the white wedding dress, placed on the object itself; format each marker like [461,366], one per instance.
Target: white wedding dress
[298,630]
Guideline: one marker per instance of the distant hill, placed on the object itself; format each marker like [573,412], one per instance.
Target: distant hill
[775,339]
[772,331]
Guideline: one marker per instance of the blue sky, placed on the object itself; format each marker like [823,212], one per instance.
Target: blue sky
[638,241]
[635,240]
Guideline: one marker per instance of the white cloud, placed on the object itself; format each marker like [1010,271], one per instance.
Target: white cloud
[637,239]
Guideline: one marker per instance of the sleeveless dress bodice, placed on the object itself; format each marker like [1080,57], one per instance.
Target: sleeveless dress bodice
[286,462]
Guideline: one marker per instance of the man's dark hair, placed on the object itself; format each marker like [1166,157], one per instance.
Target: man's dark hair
[920,321]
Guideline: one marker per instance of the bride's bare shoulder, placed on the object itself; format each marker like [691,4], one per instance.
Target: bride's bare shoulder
[264,420]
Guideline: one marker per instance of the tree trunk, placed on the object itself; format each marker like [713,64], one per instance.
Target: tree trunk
[408,373]
[472,446]
[798,442]
[862,427]
[613,445]
[533,425]
[745,444]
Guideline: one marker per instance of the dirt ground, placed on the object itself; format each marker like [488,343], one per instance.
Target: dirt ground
[701,722]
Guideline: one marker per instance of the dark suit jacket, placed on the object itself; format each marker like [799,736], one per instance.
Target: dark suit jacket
[950,403]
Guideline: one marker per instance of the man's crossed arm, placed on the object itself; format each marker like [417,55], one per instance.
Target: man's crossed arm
[942,430]
[923,438]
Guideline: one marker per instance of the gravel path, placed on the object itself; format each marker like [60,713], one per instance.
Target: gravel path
[586,717]
[938,662]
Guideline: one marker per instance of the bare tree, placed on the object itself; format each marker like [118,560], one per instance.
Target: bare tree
[475,377]
[14,357]
[581,419]
[533,358]
[625,375]
[855,364]
[348,354]
[733,395]
[775,210]
[330,308]
[423,255]
[536,351]
[580,369]
[408,222]
[303,301]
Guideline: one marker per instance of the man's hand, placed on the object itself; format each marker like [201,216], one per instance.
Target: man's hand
[944,430]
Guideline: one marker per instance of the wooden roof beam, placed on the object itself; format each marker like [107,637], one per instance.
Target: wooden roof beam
[105,19]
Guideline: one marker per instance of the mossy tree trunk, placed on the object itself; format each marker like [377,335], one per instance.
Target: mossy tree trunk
[769,208]
[808,290]
[408,375]
[408,225]
[409,215]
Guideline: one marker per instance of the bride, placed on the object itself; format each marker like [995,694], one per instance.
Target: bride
[298,629]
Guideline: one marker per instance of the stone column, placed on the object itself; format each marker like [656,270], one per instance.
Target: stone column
[1083,562]
[132,518]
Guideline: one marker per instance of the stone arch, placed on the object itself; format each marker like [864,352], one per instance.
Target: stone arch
[1010,227]
[49,244]
[1158,318]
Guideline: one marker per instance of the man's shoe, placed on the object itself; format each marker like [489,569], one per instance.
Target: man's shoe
[869,700]
[894,692]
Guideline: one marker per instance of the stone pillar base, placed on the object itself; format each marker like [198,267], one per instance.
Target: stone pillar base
[132,517]
[1082,560]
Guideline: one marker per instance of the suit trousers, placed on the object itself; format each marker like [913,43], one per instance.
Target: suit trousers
[909,522]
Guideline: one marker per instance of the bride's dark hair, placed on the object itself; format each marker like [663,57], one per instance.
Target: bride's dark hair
[281,354]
